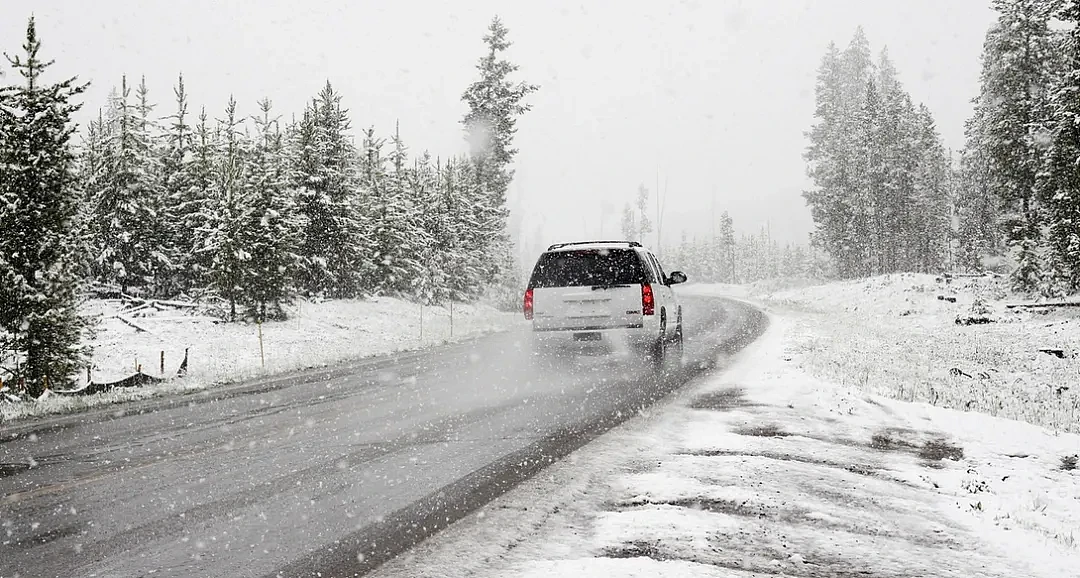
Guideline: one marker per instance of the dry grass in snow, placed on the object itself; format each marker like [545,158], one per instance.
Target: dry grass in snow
[893,336]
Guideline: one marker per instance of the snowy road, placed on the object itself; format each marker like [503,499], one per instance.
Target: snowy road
[332,471]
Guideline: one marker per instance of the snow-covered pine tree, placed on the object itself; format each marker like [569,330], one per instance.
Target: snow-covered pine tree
[272,227]
[495,103]
[869,179]
[481,231]
[829,165]
[429,285]
[92,174]
[38,205]
[181,198]
[630,229]
[978,233]
[195,211]
[726,236]
[229,214]
[397,233]
[644,226]
[1061,187]
[163,258]
[892,202]
[334,246]
[459,268]
[930,220]
[125,217]
[1016,76]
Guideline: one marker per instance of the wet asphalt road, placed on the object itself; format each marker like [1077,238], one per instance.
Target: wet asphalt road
[319,473]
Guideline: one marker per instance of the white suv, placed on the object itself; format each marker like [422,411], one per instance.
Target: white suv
[604,291]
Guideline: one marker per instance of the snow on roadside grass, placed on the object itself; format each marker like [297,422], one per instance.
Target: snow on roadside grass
[316,334]
[893,336]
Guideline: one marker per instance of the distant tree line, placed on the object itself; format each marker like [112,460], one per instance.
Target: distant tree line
[725,257]
[250,212]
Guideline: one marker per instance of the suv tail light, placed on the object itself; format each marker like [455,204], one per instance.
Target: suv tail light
[528,306]
[648,303]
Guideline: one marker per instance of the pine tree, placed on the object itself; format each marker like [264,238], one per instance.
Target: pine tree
[196,209]
[126,215]
[880,200]
[727,242]
[830,165]
[271,227]
[979,234]
[92,176]
[38,205]
[1062,179]
[162,260]
[1015,79]
[334,245]
[397,236]
[644,226]
[630,229]
[181,198]
[429,285]
[930,225]
[230,213]
[495,103]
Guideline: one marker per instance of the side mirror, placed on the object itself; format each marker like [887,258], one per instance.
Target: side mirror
[676,277]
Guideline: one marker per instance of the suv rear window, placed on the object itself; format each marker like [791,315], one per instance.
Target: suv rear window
[588,268]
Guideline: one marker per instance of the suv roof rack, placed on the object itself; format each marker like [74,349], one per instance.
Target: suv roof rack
[561,245]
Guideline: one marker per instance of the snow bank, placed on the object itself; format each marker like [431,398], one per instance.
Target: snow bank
[316,334]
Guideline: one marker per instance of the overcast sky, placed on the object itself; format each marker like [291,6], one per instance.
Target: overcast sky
[713,95]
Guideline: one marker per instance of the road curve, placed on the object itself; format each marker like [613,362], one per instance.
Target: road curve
[324,473]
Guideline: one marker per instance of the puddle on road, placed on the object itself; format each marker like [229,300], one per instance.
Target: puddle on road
[854,468]
[763,431]
[10,469]
[929,447]
[636,549]
[722,400]
[50,536]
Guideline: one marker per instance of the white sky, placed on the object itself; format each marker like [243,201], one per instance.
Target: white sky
[715,95]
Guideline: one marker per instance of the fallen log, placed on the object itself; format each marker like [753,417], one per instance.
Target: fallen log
[133,324]
[973,320]
[1042,305]
[136,380]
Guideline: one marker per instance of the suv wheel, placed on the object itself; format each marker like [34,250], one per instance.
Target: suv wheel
[676,350]
[658,349]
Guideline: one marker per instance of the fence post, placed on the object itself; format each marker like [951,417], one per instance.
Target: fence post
[451,318]
[421,323]
[163,363]
[262,355]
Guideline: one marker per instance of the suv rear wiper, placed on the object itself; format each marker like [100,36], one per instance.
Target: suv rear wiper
[598,287]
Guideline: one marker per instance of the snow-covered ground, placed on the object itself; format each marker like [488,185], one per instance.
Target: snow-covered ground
[316,334]
[894,336]
[787,465]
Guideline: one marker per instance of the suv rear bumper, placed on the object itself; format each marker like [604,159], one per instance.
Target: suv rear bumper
[630,335]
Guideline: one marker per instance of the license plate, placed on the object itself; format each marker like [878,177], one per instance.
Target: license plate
[586,337]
